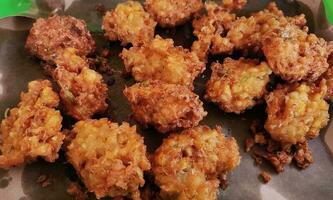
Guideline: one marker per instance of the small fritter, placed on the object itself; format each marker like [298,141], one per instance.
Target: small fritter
[161,60]
[32,129]
[219,32]
[296,55]
[129,23]
[167,107]
[49,37]
[237,85]
[189,165]
[296,112]
[110,158]
[83,91]
[170,13]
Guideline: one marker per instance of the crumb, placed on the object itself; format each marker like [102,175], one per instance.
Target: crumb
[249,142]
[266,177]
[44,180]
[224,181]
[75,190]
[303,155]
[260,139]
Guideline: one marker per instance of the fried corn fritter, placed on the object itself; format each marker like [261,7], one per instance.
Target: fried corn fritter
[83,91]
[296,55]
[167,107]
[296,112]
[188,165]
[161,60]
[170,13]
[209,30]
[49,37]
[129,23]
[220,32]
[110,158]
[237,85]
[32,129]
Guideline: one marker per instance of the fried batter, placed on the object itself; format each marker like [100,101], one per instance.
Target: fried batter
[328,75]
[170,13]
[188,165]
[32,129]
[237,85]
[49,37]
[129,23]
[161,60]
[83,91]
[295,55]
[110,158]
[167,107]
[296,112]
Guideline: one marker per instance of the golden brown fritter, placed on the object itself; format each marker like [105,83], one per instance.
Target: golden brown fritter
[129,23]
[189,165]
[83,91]
[295,55]
[170,13]
[110,158]
[296,112]
[167,107]
[237,85]
[32,129]
[161,60]
[49,37]
[219,32]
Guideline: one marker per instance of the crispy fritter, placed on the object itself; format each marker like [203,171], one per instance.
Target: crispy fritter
[49,37]
[83,91]
[219,32]
[167,107]
[129,23]
[188,165]
[295,55]
[32,129]
[237,85]
[170,13]
[296,112]
[161,60]
[328,75]
[110,158]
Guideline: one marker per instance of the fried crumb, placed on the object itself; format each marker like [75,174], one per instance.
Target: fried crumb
[75,190]
[249,142]
[303,155]
[265,176]
[260,139]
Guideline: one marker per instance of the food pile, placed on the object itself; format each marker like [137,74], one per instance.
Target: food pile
[192,162]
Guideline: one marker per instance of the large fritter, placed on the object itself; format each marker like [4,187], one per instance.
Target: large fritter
[170,13]
[167,107]
[295,55]
[296,112]
[129,23]
[32,129]
[237,85]
[110,158]
[188,165]
[83,91]
[49,37]
[161,60]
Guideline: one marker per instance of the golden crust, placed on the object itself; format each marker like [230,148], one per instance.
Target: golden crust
[167,107]
[83,91]
[237,85]
[129,23]
[49,37]
[170,13]
[110,158]
[296,112]
[161,60]
[295,55]
[188,165]
[33,128]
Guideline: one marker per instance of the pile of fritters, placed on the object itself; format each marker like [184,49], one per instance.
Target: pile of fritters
[193,160]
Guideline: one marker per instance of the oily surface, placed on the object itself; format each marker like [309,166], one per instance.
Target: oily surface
[21,182]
